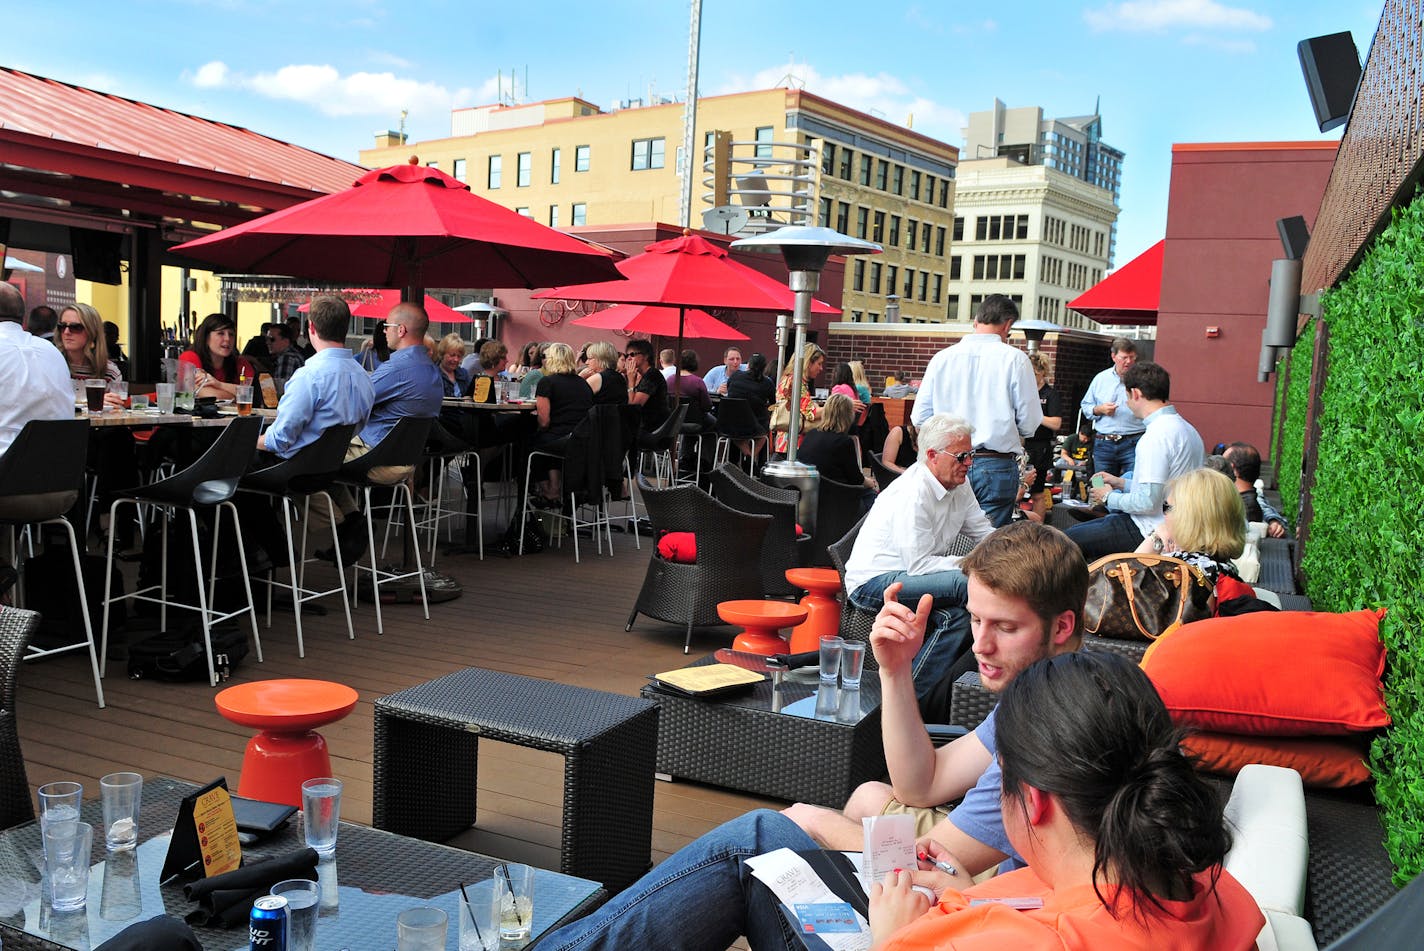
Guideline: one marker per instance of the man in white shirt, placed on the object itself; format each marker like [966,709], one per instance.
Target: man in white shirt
[1169,447]
[990,384]
[717,377]
[34,379]
[667,361]
[907,538]
[1115,429]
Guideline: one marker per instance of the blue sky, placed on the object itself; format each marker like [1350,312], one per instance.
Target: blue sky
[328,75]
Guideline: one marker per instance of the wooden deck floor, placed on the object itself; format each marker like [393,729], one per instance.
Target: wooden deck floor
[542,616]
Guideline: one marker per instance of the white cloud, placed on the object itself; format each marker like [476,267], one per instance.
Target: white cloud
[1160,15]
[880,94]
[327,89]
[1225,44]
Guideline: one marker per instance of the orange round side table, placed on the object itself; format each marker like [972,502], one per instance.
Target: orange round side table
[762,620]
[287,750]
[823,611]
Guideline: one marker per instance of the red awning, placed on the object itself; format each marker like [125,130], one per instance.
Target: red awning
[1128,295]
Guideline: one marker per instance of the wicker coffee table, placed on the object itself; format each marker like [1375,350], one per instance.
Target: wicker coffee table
[427,738]
[739,742]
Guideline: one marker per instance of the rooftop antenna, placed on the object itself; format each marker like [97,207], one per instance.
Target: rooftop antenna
[404,113]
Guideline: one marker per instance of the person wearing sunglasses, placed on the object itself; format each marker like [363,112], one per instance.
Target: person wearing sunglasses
[909,534]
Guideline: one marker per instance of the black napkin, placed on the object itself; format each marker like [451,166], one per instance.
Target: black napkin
[226,900]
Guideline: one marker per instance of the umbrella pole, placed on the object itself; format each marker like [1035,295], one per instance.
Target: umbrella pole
[675,394]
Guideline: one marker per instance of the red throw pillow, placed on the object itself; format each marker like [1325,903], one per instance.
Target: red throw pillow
[1323,762]
[1228,587]
[680,547]
[1273,673]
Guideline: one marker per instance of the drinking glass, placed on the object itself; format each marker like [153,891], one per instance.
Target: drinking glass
[321,813]
[120,388]
[66,848]
[479,919]
[852,662]
[244,400]
[303,897]
[165,398]
[94,391]
[187,384]
[830,658]
[59,803]
[139,402]
[421,929]
[514,884]
[121,793]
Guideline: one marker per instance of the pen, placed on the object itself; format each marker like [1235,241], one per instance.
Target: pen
[944,867]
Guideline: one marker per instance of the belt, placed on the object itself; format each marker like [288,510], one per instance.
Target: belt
[1116,437]
[994,454]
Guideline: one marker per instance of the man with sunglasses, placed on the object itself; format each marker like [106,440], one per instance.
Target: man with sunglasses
[907,538]
[283,358]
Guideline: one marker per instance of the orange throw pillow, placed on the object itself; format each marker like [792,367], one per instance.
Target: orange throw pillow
[1322,762]
[680,547]
[1273,673]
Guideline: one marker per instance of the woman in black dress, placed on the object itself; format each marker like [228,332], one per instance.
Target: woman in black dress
[561,401]
[902,448]
[833,451]
[607,384]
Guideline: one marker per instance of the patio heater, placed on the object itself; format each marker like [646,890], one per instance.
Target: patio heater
[805,250]
[783,324]
[1035,331]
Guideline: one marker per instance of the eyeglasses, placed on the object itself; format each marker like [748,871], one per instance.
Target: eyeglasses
[74,328]
[963,458]
[1166,507]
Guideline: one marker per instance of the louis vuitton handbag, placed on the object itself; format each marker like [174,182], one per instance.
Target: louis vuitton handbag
[1142,597]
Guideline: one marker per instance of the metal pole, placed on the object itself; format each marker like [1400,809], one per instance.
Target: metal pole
[804,284]
[783,323]
[690,164]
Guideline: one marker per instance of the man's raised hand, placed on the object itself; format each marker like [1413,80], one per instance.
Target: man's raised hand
[899,631]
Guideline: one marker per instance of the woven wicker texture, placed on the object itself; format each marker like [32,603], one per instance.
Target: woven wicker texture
[733,487]
[728,564]
[736,741]
[837,512]
[16,629]
[1276,574]
[374,870]
[427,738]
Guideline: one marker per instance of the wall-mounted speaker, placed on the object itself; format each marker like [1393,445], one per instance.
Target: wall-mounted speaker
[1295,236]
[1331,65]
[1267,364]
[1283,311]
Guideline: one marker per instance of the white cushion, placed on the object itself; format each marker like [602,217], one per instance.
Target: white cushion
[1266,815]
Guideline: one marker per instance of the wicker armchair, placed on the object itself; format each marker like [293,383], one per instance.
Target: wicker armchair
[728,559]
[855,622]
[733,487]
[837,511]
[16,628]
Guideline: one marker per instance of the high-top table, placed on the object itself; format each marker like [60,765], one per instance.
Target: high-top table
[375,875]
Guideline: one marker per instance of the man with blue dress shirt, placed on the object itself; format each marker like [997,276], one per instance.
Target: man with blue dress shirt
[716,378]
[1115,428]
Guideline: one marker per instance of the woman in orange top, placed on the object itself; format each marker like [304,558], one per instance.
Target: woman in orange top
[813,361]
[1123,841]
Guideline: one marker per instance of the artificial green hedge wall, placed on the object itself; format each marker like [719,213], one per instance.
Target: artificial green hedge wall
[1366,546]
[1294,404]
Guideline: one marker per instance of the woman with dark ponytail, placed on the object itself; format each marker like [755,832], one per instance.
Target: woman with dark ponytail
[1123,841]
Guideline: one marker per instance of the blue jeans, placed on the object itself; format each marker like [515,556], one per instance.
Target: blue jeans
[996,488]
[701,897]
[1111,457]
[1113,533]
[947,634]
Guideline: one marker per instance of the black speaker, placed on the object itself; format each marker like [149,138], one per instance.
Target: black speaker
[1283,306]
[1294,236]
[1331,65]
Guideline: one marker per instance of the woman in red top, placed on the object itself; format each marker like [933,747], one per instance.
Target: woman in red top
[214,353]
[1124,842]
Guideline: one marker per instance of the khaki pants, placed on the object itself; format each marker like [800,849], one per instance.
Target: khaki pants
[320,518]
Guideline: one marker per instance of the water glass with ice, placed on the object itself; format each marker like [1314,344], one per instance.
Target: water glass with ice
[303,900]
[121,793]
[321,813]
[479,918]
[421,929]
[852,663]
[59,803]
[515,885]
[830,658]
[66,848]
[164,395]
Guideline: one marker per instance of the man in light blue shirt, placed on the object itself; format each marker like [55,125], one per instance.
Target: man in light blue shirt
[716,378]
[1115,428]
[331,389]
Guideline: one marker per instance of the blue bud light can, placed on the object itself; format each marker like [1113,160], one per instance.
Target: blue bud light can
[267,928]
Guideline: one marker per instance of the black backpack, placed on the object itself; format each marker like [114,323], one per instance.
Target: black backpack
[176,655]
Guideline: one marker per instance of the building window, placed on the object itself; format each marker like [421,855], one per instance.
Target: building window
[828,158]
[924,285]
[525,169]
[858,280]
[938,288]
[956,267]
[862,217]
[580,158]
[843,217]
[875,268]
[939,241]
[897,180]
[925,239]
[847,163]
[959,228]
[912,233]
[432,164]
[580,213]
[914,185]
[894,238]
[877,233]
[892,274]
[929,190]
[763,137]
[648,153]
[951,308]
[556,161]
[909,291]
[553,216]
[943,193]
[525,212]
[999,267]
[865,162]
[496,170]
[823,215]
[882,170]
[457,169]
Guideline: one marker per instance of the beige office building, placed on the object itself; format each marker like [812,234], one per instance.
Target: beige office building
[1034,233]
[781,155]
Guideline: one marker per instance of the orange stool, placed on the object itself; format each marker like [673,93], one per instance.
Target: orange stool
[823,611]
[287,750]
[762,620]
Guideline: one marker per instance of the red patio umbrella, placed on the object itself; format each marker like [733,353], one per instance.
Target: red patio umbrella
[661,321]
[689,271]
[378,304]
[1128,295]
[408,226]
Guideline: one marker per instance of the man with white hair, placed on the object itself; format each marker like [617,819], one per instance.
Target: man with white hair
[907,538]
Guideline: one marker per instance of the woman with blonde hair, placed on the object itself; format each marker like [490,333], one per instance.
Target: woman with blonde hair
[80,337]
[561,401]
[860,381]
[449,353]
[1203,522]
[835,453]
[812,362]
[607,384]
